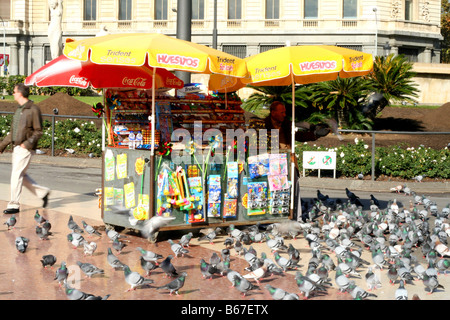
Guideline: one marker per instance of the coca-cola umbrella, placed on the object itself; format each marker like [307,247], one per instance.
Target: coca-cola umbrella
[66,72]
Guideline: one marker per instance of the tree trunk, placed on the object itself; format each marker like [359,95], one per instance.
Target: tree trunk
[342,115]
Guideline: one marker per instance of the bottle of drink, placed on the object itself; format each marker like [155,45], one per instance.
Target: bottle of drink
[138,141]
[131,140]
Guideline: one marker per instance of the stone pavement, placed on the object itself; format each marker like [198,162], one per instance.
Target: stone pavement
[26,279]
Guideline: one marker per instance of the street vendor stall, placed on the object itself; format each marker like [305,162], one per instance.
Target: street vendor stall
[211,167]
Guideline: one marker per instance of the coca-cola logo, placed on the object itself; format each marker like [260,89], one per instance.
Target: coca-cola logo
[78,80]
[136,82]
[174,82]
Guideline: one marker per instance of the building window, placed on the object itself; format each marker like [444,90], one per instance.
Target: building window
[239,51]
[234,9]
[350,9]
[90,10]
[5,10]
[267,47]
[408,9]
[124,9]
[272,9]
[47,54]
[198,9]
[311,9]
[411,54]
[161,9]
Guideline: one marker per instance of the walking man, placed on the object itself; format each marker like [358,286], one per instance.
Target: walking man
[26,129]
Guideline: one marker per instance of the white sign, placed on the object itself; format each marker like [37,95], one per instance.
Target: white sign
[317,160]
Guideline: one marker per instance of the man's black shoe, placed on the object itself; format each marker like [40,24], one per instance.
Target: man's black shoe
[11,211]
[45,200]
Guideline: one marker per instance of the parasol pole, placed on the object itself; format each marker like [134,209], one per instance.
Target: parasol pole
[291,214]
[152,148]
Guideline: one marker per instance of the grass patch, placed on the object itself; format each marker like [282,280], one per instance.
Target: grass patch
[36,99]
[419,106]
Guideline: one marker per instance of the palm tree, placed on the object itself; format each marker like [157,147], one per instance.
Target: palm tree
[392,77]
[340,97]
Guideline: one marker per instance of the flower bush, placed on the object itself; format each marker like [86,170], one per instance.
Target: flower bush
[82,136]
[394,161]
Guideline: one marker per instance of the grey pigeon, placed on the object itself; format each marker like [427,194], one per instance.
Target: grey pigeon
[113,261]
[48,260]
[185,239]
[61,273]
[21,244]
[90,229]
[175,284]
[358,292]
[225,253]
[284,263]
[431,283]
[223,266]
[307,286]
[228,243]
[378,259]
[243,285]
[235,233]
[11,222]
[392,274]
[42,233]
[257,273]
[341,280]
[419,177]
[38,218]
[177,248]
[405,274]
[134,279]
[207,269]
[231,274]
[118,245]
[211,235]
[76,239]
[113,234]
[74,226]
[294,254]
[214,260]
[89,269]
[148,266]
[168,268]
[238,247]
[149,255]
[372,280]
[280,294]
[75,294]
[151,227]
[401,293]
[442,265]
[276,244]
[272,267]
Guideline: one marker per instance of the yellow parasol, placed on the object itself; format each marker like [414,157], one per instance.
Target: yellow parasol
[297,65]
[157,51]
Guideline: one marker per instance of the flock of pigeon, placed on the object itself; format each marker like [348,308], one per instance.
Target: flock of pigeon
[347,245]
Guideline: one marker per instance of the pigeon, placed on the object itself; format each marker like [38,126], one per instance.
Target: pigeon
[175,284]
[48,260]
[177,248]
[307,286]
[11,222]
[419,177]
[356,291]
[61,273]
[168,268]
[378,259]
[90,229]
[276,244]
[294,254]
[442,265]
[47,226]
[280,294]
[431,283]
[75,239]
[185,239]
[214,260]
[211,235]
[118,245]
[75,294]
[284,263]
[89,269]
[207,269]
[21,244]
[392,274]
[225,253]
[149,255]
[405,274]
[243,285]
[42,233]
[113,261]
[372,280]
[74,226]
[89,248]
[354,199]
[148,266]
[322,197]
[223,266]
[235,233]
[151,227]
[401,293]
[238,247]
[375,200]
[113,234]
[257,274]
[134,279]
[38,218]
[228,243]
[341,280]
[328,262]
